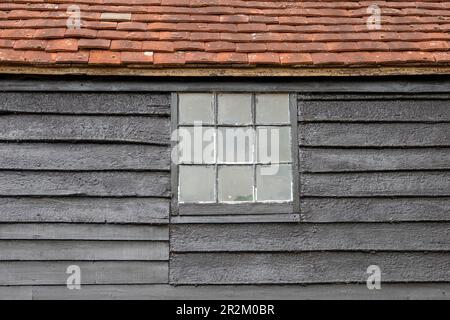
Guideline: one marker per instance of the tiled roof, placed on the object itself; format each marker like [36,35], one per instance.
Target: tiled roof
[216,33]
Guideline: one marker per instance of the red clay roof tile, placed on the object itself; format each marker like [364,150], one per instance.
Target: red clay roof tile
[104,57]
[71,57]
[94,44]
[137,57]
[224,32]
[62,45]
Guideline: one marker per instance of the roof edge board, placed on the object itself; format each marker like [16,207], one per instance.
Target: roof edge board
[228,72]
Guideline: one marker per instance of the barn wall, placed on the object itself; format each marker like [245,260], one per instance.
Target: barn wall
[374,190]
[85,178]
[84,181]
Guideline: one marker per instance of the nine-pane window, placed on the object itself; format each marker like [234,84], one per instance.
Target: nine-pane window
[234,148]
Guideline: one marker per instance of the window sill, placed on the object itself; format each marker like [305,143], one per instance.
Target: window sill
[218,219]
[215,209]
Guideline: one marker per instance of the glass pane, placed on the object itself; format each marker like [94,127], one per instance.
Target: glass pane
[196,107]
[196,145]
[234,109]
[274,144]
[235,183]
[272,109]
[196,183]
[235,145]
[274,182]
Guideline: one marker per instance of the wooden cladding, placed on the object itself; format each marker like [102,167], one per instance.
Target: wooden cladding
[374,189]
[86,182]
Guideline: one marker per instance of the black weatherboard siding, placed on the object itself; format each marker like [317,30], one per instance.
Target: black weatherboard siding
[85,172]
[374,189]
[84,181]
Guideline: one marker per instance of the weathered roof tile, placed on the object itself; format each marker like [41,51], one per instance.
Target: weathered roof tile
[62,45]
[104,57]
[94,44]
[224,32]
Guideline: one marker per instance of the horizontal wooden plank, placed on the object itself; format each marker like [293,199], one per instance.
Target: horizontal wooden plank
[374,134]
[84,210]
[62,156]
[134,129]
[203,209]
[51,231]
[235,218]
[308,267]
[390,291]
[310,237]
[30,250]
[416,183]
[398,110]
[17,273]
[85,103]
[307,85]
[324,96]
[342,160]
[16,292]
[374,209]
[117,183]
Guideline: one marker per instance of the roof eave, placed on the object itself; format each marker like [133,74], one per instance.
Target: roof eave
[210,71]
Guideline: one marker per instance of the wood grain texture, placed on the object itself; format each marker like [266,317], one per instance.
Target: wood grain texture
[236,218]
[134,129]
[212,209]
[211,73]
[53,216]
[314,267]
[410,291]
[408,85]
[64,156]
[310,237]
[60,231]
[345,160]
[397,110]
[376,184]
[33,183]
[29,250]
[16,293]
[85,103]
[374,209]
[374,134]
[372,95]
[17,273]
[84,210]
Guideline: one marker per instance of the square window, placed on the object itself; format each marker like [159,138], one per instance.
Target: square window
[234,108]
[196,183]
[196,107]
[235,184]
[235,148]
[274,144]
[272,109]
[196,145]
[235,145]
[274,182]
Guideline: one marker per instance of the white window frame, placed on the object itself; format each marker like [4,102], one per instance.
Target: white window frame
[239,208]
